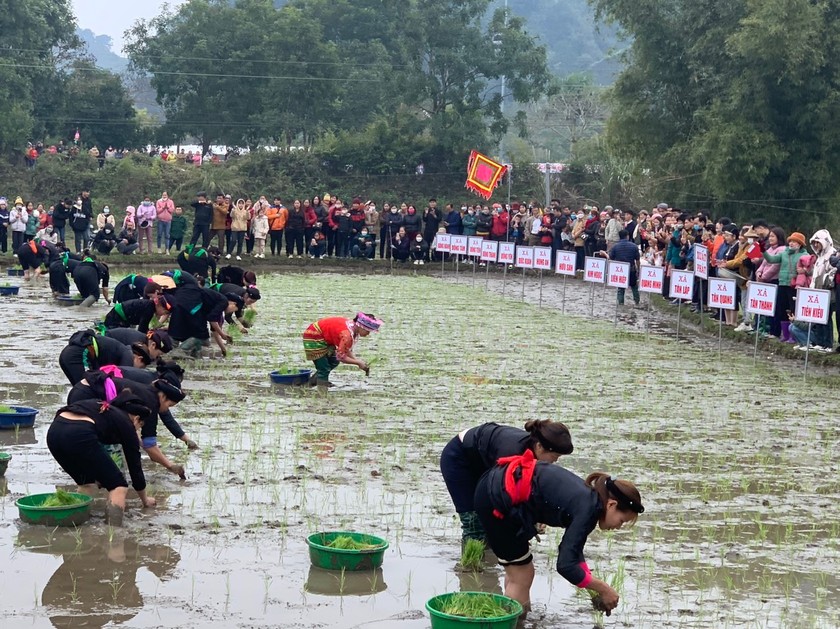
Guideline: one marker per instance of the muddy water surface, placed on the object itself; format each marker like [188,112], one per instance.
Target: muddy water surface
[736,463]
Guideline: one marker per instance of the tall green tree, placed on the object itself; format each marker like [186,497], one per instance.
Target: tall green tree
[34,37]
[735,100]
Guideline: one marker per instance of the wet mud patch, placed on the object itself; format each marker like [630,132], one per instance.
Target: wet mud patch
[739,495]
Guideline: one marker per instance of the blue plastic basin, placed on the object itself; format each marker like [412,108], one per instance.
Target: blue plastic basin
[23,417]
[291,379]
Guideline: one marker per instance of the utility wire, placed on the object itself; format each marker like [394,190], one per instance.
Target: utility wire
[214,75]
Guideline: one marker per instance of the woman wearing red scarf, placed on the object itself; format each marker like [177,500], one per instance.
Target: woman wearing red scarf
[518,495]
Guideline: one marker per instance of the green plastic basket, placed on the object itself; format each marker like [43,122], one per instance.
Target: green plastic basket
[31,511]
[441,620]
[322,556]
[5,457]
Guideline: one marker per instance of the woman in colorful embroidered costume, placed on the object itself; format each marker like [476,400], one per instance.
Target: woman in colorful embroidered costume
[329,342]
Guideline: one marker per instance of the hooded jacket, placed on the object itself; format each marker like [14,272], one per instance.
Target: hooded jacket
[824,272]
[80,220]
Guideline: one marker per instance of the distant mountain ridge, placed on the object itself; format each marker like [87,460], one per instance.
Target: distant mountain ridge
[100,48]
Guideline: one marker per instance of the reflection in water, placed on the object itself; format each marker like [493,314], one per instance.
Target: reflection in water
[21,436]
[485,581]
[96,583]
[344,583]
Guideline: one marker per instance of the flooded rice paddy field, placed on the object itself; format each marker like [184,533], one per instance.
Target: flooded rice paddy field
[737,466]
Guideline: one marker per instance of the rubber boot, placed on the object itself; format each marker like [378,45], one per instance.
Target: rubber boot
[87,302]
[785,331]
[192,346]
[470,527]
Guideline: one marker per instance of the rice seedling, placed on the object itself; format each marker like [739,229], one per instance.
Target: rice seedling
[475,606]
[6,409]
[472,555]
[61,498]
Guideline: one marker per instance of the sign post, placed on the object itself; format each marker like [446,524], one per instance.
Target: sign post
[812,306]
[474,251]
[761,301]
[458,248]
[524,260]
[701,271]
[443,245]
[489,254]
[594,272]
[565,266]
[618,277]
[651,280]
[507,254]
[681,288]
[722,297]
[542,261]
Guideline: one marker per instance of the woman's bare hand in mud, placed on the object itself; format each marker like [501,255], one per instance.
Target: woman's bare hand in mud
[180,471]
[609,598]
[191,445]
[149,502]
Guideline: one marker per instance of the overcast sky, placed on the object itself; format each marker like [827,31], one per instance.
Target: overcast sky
[114,17]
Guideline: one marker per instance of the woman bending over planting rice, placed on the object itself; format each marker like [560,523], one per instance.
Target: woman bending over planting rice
[513,497]
[474,451]
[75,440]
[329,342]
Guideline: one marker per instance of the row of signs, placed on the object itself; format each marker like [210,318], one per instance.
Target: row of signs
[812,305]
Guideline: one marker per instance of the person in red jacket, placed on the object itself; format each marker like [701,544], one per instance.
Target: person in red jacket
[310,218]
[500,223]
[329,342]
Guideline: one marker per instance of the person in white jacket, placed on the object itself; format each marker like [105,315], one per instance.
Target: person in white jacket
[259,228]
[105,218]
[614,226]
[18,218]
[47,234]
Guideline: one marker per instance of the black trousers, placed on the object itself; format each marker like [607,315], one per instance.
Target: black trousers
[204,232]
[276,241]
[294,240]
[460,477]
[87,281]
[58,278]
[75,445]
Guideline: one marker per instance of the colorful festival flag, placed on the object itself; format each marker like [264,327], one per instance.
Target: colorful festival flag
[483,174]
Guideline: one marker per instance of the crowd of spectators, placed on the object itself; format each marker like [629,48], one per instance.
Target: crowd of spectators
[327,226]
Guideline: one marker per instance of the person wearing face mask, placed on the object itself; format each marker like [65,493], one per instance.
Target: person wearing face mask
[469,221]
[419,250]
[392,220]
[145,218]
[47,234]
[412,222]
[484,223]
[364,245]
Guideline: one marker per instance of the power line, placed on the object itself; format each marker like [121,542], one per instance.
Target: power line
[235,60]
[213,74]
